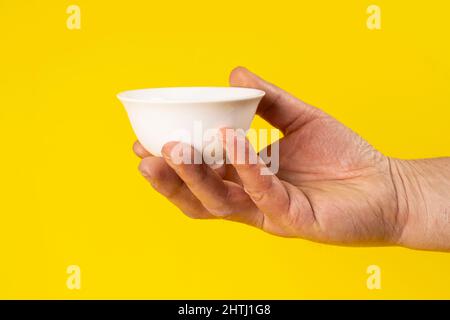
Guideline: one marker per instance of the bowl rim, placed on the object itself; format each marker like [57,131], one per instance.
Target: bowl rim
[122,96]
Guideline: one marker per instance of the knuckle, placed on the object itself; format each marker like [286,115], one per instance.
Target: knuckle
[194,173]
[222,208]
[158,173]
[220,211]
[173,191]
[261,192]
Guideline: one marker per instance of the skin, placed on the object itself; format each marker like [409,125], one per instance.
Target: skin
[332,186]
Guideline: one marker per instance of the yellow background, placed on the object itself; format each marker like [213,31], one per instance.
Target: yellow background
[70,192]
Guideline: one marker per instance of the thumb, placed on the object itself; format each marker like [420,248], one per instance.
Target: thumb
[278,107]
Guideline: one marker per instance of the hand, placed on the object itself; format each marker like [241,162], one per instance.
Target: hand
[332,186]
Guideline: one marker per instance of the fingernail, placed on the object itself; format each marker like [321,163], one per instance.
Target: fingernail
[144,173]
[143,170]
[178,152]
[167,150]
[150,179]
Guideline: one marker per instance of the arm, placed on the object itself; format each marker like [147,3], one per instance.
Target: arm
[423,193]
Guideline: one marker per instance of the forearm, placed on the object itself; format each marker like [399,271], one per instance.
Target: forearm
[423,196]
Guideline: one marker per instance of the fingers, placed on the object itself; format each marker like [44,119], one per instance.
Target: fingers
[224,171]
[167,182]
[278,107]
[265,190]
[140,151]
[220,198]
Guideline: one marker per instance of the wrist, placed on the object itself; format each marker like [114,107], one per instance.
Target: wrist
[422,190]
[401,214]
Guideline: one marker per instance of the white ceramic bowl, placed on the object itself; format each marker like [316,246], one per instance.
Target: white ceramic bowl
[184,114]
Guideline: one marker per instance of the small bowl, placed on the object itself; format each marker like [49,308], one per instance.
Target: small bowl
[185,114]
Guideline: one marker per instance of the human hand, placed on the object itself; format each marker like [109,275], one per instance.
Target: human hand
[332,186]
